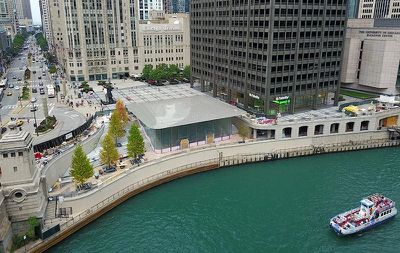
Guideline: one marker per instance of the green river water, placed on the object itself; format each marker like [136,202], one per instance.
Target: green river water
[279,206]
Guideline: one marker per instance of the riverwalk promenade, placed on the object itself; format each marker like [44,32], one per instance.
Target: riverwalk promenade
[88,206]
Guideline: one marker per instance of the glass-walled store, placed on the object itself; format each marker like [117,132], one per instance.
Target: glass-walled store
[185,136]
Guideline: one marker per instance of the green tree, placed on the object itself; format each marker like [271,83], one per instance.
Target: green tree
[135,145]
[109,153]
[81,169]
[41,41]
[52,69]
[146,72]
[33,222]
[243,132]
[186,72]
[173,71]
[116,127]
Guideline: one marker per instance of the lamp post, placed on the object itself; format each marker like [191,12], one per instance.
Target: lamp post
[34,116]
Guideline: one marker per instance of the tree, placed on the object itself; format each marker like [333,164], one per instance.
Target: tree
[33,222]
[243,132]
[81,169]
[116,127]
[135,145]
[109,153]
[173,71]
[186,72]
[122,113]
[52,69]
[147,71]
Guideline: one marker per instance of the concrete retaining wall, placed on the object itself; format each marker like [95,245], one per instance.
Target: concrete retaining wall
[57,167]
[82,202]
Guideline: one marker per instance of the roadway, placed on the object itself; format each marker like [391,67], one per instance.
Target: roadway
[68,119]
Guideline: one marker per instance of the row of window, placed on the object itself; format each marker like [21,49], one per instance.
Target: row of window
[319,129]
[13,154]
[386,212]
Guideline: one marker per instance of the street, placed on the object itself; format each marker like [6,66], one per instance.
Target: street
[11,107]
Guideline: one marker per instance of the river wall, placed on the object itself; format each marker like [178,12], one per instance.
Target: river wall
[91,205]
[57,166]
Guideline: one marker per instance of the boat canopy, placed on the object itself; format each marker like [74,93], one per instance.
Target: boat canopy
[368,203]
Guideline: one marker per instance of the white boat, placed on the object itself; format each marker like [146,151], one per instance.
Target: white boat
[374,210]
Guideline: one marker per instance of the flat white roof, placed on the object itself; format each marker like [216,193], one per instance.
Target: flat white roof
[367,202]
[174,105]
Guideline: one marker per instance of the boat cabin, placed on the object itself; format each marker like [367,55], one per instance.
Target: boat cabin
[366,207]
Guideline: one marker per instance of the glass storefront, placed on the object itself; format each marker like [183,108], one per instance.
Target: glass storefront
[170,138]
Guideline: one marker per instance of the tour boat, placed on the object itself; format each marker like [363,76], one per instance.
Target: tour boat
[374,210]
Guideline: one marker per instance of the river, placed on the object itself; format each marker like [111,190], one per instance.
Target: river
[279,206]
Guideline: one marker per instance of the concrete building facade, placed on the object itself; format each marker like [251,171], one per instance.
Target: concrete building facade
[165,40]
[93,46]
[372,55]
[145,6]
[268,56]
[21,184]
[379,9]
[46,22]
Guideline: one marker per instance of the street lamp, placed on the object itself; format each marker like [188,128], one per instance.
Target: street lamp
[34,116]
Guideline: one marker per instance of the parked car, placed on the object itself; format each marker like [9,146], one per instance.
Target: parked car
[11,85]
[34,72]
[33,108]
[185,80]
[152,82]
[3,130]
[9,93]
[34,90]
[16,87]
[109,169]
[39,77]
[14,77]
[174,81]
[41,91]
[19,79]
[41,84]
[33,100]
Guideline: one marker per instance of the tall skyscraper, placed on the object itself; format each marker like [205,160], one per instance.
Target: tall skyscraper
[379,9]
[176,6]
[46,22]
[145,6]
[268,56]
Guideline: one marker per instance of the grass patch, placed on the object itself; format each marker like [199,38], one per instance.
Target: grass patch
[47,124]
[25,93]
[357,94]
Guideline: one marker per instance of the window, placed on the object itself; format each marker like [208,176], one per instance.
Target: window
[18,194]
[15,168]
[364,125]
[20,153]
[287,132]
[12,154]
[334,128]
[319,129]
[303,131]
[5,155]
[349,126]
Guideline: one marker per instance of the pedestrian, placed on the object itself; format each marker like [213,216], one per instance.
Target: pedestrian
[28,120]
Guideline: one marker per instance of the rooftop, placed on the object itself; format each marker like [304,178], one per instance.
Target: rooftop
[174,105]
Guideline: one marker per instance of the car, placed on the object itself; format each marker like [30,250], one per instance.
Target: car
[41,66]
[174,81]
[41,91]
[11,85]
[19,123]
[33,100]
[109,169]
[43,74]
[39,77]
[34,90]
[33,107]
[3,130]
[9,93]
[16,87]
[41,84]
[14,77]
[34,72]
[19,79]
[185,80]
[152,82]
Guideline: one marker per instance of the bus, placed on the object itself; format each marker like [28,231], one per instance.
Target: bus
[51,91]
[3,83]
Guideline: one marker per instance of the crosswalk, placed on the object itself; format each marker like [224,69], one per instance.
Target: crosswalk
[7,107]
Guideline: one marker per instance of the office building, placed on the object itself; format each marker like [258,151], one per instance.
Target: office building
[23,12]
[176,6]
[46,23]
[145,6]
[266,59]
[372,55]
[93,46]
[164,40]
[379,9]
